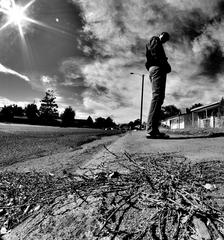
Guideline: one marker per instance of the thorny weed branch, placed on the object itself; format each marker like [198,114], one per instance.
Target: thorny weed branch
[157,197]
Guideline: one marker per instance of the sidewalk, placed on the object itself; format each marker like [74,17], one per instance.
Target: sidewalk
[193,147]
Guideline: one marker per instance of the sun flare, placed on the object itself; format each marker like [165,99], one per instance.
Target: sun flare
[19,16]
[16,15]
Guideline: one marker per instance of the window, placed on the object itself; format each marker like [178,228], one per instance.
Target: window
[202,115]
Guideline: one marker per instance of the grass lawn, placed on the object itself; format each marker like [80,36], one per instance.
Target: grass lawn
[22,142]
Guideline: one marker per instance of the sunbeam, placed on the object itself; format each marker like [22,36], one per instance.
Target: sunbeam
[41,24]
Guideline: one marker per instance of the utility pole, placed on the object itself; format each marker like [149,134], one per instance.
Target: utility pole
[142,91]
[142,100]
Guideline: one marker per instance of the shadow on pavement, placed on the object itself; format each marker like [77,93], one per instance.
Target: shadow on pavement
[184,137]
[196,137]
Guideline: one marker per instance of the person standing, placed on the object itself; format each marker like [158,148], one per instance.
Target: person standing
[158,67]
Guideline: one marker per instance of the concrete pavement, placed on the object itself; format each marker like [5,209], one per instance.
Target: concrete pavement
[194,148]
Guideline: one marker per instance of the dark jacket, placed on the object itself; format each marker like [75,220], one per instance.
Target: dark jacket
[155,55]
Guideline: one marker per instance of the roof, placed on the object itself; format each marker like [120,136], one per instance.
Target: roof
[209,106]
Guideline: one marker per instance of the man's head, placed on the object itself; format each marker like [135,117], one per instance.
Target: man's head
[164,37]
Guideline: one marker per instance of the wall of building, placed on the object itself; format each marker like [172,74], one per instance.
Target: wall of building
[179,122]
[197,120]
[209,117]
[204,123]
[188,120]
[216,121]
[219,122]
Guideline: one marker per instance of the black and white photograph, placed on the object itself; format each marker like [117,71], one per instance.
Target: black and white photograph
[111,119]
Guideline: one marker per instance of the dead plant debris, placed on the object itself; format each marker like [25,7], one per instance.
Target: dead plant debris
[156,196]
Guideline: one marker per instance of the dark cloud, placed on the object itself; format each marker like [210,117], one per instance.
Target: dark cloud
[139,46]
[87,40]
[219,13]
[101,90]
[220,8]
[135,63]
[71,83]
[97,90]
[121,100]
[188,25]
[73,94]
[213,61]
[187,94]
[161,11]
[181,24]
[94,46]
[118,19]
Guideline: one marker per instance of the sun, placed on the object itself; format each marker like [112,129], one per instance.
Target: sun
[19,16]
[16,15]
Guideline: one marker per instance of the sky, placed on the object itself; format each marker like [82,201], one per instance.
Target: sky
[85,51]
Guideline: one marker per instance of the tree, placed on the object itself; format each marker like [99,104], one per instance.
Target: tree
[104,123]
[18,111]
[100,122]
[137,122]
[31,111]
[195,105]
[68,116]
[90,122]
[109,122]
[169,111]
[7,112]
[49,108]
[131,125]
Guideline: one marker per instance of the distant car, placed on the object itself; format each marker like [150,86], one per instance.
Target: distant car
[110,128]
[139,127]
[165,126]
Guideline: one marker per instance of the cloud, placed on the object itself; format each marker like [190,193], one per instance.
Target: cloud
[49,82]
[6,102]
[113,42]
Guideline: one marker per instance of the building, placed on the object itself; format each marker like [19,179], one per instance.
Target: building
[211,115]
[207,116]
[180,121]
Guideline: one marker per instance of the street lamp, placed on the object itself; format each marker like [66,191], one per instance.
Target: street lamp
[143,75]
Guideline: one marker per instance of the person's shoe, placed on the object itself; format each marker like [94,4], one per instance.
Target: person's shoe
[163,135]
[157,135]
